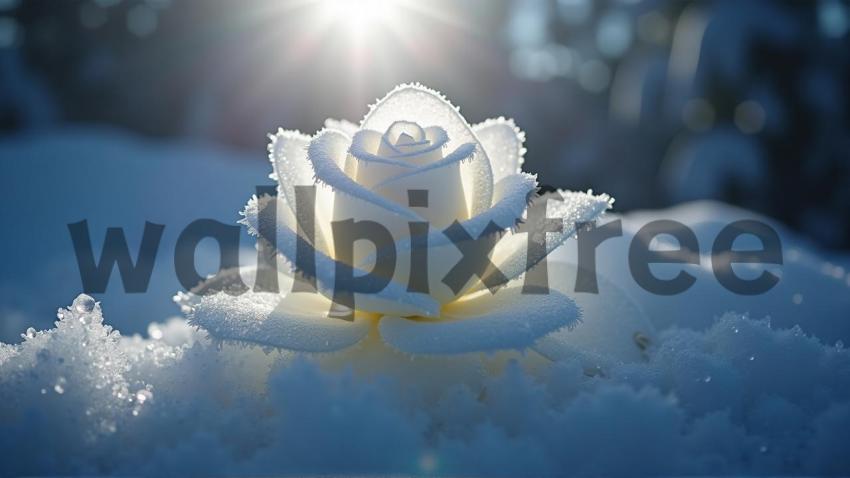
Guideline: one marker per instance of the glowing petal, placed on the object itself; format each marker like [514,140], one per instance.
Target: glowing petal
[462,153]
[442,182]
[512,195]
[392,299]
[506,320]
[325,152]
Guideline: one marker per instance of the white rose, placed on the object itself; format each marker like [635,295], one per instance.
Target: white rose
[411,139]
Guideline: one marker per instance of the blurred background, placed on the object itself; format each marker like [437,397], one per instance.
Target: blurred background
[656,102]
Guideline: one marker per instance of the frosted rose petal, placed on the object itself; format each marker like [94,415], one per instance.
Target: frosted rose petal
[294,321]
[503,142]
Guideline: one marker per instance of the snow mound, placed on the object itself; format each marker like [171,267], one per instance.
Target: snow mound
[738,397]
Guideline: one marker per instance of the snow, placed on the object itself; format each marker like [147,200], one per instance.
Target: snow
[727,384]
[739,397]
[813,292]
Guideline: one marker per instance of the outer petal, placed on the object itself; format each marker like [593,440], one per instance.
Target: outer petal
[288,155]
[503,142]
[414,102]
[510,255]
[345,126]
[294,322]
[506,320]
[393,299]
[285,219]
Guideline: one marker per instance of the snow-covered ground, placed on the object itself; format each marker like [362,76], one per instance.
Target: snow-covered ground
[719,384]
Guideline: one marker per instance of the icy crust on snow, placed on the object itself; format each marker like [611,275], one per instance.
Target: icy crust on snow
[739,397]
